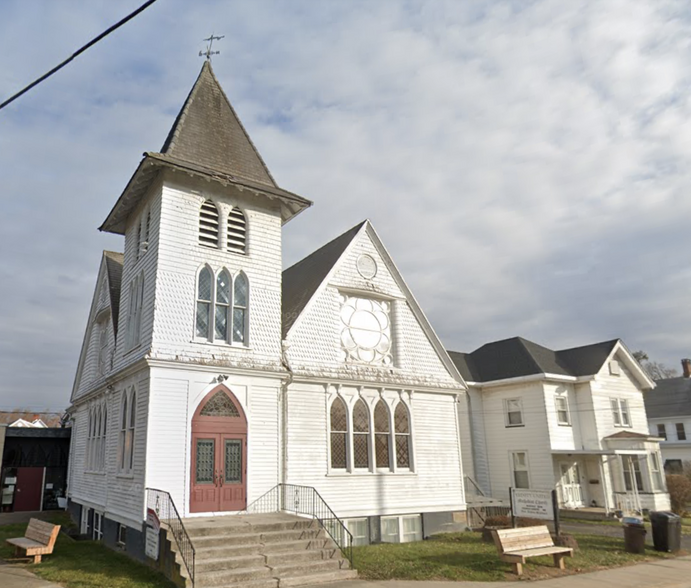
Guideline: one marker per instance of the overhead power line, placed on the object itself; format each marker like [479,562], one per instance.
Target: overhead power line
[78,52]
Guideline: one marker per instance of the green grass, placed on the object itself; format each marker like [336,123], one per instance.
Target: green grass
[464,556]
[85,564]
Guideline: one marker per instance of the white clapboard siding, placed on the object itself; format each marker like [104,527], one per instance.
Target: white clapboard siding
[435,484]
[563,436]
[180,256]
[533,437]
[176,395]
[624,386]
[315,339]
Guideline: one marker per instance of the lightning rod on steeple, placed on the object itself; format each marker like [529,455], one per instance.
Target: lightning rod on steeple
[208,53]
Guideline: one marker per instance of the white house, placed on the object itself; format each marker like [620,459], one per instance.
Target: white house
[669,416]
[573,419]
[209,373]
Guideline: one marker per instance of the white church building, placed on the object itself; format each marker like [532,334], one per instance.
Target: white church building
[209,373]
[214,379]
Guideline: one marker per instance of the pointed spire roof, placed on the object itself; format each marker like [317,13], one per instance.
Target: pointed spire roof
[208,132]
[206,140]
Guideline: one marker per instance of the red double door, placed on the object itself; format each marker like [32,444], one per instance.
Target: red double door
[219,454]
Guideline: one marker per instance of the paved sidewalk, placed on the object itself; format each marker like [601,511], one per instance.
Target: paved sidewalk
[12,576]
[669,573]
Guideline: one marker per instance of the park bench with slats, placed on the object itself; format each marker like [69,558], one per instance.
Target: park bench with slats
[517,545]
[38,540]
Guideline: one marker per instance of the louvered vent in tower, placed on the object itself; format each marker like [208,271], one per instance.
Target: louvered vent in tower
[208,224]
[237,231]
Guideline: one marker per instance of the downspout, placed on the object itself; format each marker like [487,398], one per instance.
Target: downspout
[286,382]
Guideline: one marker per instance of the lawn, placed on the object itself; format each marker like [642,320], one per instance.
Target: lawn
[85,564]
[464,556]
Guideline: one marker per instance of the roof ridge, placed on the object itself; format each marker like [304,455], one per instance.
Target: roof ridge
[174,132]
[535,362]
[609,341]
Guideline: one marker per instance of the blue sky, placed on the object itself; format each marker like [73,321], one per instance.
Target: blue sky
[526,164]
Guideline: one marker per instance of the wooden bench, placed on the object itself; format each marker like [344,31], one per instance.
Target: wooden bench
[517,545]
[38,540]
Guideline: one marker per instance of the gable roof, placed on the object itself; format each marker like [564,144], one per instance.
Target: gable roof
[207,140]
[207,131]
[516,357]
[671,397]
[114,262]
[301,280]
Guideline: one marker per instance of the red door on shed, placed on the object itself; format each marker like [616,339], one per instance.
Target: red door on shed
[219,454]
[27,494]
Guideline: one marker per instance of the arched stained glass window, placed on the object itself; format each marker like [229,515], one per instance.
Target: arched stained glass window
[208,224]
[222,306]
[339,434]
[123,432]
[204,287]
[382,435]
[240,303]
[361,430]
[130,431]
[402,429]
[220,405]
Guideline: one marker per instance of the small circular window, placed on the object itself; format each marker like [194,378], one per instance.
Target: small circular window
[366,266]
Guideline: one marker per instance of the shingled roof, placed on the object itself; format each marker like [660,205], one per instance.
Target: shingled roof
[670,398]
[516,357]
[208,132]
[300,281]
[207,140]
[114,261]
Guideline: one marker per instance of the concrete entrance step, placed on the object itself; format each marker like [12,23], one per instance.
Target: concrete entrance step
[263,551]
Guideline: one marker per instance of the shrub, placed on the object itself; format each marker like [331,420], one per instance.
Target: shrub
[679,488]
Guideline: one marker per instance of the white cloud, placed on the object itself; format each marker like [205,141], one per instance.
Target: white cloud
[525,163]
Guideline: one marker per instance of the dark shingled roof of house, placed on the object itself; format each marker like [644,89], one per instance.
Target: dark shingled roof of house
[671,397]
[515,357]
[300,281]
[114,263]
[207,131]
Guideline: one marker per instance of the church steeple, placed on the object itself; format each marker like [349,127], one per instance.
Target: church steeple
[207,140]
[208,132]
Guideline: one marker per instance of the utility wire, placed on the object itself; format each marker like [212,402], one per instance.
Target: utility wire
[78,52]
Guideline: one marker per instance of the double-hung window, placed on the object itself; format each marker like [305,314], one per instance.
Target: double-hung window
[655,472]
[681,432]
[562,408]
[620,412]
[519,466]
[662,431]
[631,467]
[128,415]
[514,412]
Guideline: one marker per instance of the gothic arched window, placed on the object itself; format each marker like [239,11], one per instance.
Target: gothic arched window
[382,435]
[222,309]
[204,288]
[240,304]
[402,428]
[361,430]
[339,434]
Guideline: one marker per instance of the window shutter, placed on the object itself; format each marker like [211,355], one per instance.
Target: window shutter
[237,231]
[208,224]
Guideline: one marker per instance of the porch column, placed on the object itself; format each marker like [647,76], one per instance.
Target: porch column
[605,484]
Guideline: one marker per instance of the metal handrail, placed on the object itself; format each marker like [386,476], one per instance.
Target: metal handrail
[305,500]
[162,503]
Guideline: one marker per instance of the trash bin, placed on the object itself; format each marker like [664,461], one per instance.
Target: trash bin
[666,531]
[634,538]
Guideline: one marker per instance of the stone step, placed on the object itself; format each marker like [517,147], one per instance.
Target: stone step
[306,568]
[288,557]
[312,579]
[216,551]
[226,562]
[254,538]
[232,577]
[221,526]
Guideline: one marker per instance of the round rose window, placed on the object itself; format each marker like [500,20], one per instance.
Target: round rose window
[366,334]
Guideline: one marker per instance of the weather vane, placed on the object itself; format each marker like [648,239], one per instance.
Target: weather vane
[208,53]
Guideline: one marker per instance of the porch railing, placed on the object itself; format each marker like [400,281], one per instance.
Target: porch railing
[628,502]
[305,500]
[164,507]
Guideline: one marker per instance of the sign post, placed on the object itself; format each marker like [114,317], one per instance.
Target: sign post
[513,512]
[555,508]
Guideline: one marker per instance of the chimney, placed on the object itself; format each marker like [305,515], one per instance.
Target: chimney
[686,367]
